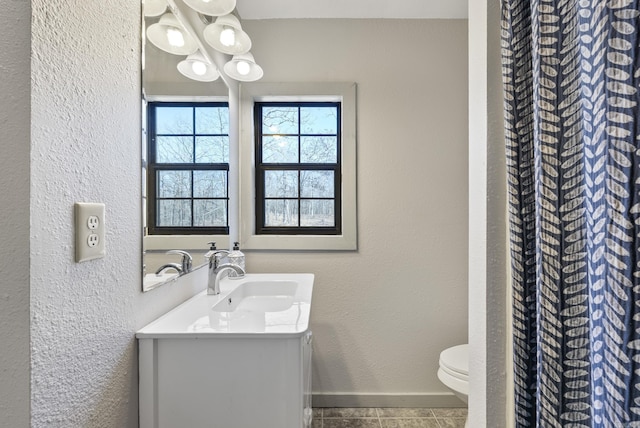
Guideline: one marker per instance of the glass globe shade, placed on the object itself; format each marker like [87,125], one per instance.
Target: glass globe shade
[199,68]
[243,67]
[175,37]
[228,37]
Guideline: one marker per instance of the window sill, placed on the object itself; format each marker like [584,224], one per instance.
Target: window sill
[345,242]
[184,242]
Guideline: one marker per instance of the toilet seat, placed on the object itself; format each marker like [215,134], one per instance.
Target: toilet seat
[455,362]
[454,372]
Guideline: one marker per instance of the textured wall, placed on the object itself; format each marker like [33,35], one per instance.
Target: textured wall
[14,214]
[86,147]
[378,314]
[382,315]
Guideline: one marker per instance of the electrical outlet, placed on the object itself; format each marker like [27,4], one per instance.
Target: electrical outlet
[93,240]
[89,225]
[93,222]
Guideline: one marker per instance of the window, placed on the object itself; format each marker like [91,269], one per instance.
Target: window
[298,168]
[188,168]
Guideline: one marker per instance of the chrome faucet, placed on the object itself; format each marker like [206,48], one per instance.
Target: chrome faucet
[217,256]
[186,263]
[214,255]
[216,271]
[176,266]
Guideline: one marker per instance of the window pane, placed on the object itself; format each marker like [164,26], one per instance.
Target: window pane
[281,184]
[210,213]
[281,213]
[194,192]
[212,120]
[319,120]
[279,120]
[174,213]
[174,120]
[319,149]
[212,149]
[316,184]
[280,150]
[317,213]
[209,184]
[174,150]
[174,184]
[297,165]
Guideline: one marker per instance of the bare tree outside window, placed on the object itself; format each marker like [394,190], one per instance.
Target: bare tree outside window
[188,170]
[298,168]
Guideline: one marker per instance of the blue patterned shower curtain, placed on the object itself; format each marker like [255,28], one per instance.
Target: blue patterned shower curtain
[571,74]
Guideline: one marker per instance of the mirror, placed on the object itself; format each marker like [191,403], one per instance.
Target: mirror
[163,81]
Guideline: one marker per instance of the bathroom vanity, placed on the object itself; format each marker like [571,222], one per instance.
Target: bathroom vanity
[241,359]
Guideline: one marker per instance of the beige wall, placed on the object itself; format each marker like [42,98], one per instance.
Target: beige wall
[382,315]
[14,214]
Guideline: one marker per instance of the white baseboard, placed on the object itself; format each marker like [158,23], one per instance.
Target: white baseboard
[338,399]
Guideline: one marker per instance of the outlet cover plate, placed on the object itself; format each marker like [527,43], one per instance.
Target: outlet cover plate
[89,226]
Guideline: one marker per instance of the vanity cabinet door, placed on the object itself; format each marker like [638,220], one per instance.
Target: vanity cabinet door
[226,382]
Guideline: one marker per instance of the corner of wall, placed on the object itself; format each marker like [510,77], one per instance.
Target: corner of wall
[487,230]
[14,215]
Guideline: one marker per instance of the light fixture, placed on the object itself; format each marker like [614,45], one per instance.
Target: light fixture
[226,36]
[154,7]
[170,36]
[212,7]
[243,68]
[196,67]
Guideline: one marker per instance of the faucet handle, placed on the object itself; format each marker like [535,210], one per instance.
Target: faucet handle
[217,257]
[187,260]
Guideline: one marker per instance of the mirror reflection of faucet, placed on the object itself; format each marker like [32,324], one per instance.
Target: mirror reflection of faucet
[169,266]
[168,271]
[182,268]
[186,262]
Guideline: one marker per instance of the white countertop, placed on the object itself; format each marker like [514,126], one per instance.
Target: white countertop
[208,316]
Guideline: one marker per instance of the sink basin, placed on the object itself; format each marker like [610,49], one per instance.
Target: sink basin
[257,304]
[259,296]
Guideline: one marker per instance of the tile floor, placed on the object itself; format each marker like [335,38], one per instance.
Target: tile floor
[389,418]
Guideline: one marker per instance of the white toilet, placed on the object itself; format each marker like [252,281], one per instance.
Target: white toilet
[454,371]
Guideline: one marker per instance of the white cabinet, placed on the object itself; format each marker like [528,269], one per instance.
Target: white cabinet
[240,359]
[226,381]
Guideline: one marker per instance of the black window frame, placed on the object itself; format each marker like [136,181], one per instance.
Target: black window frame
[260,168]
[153,168]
